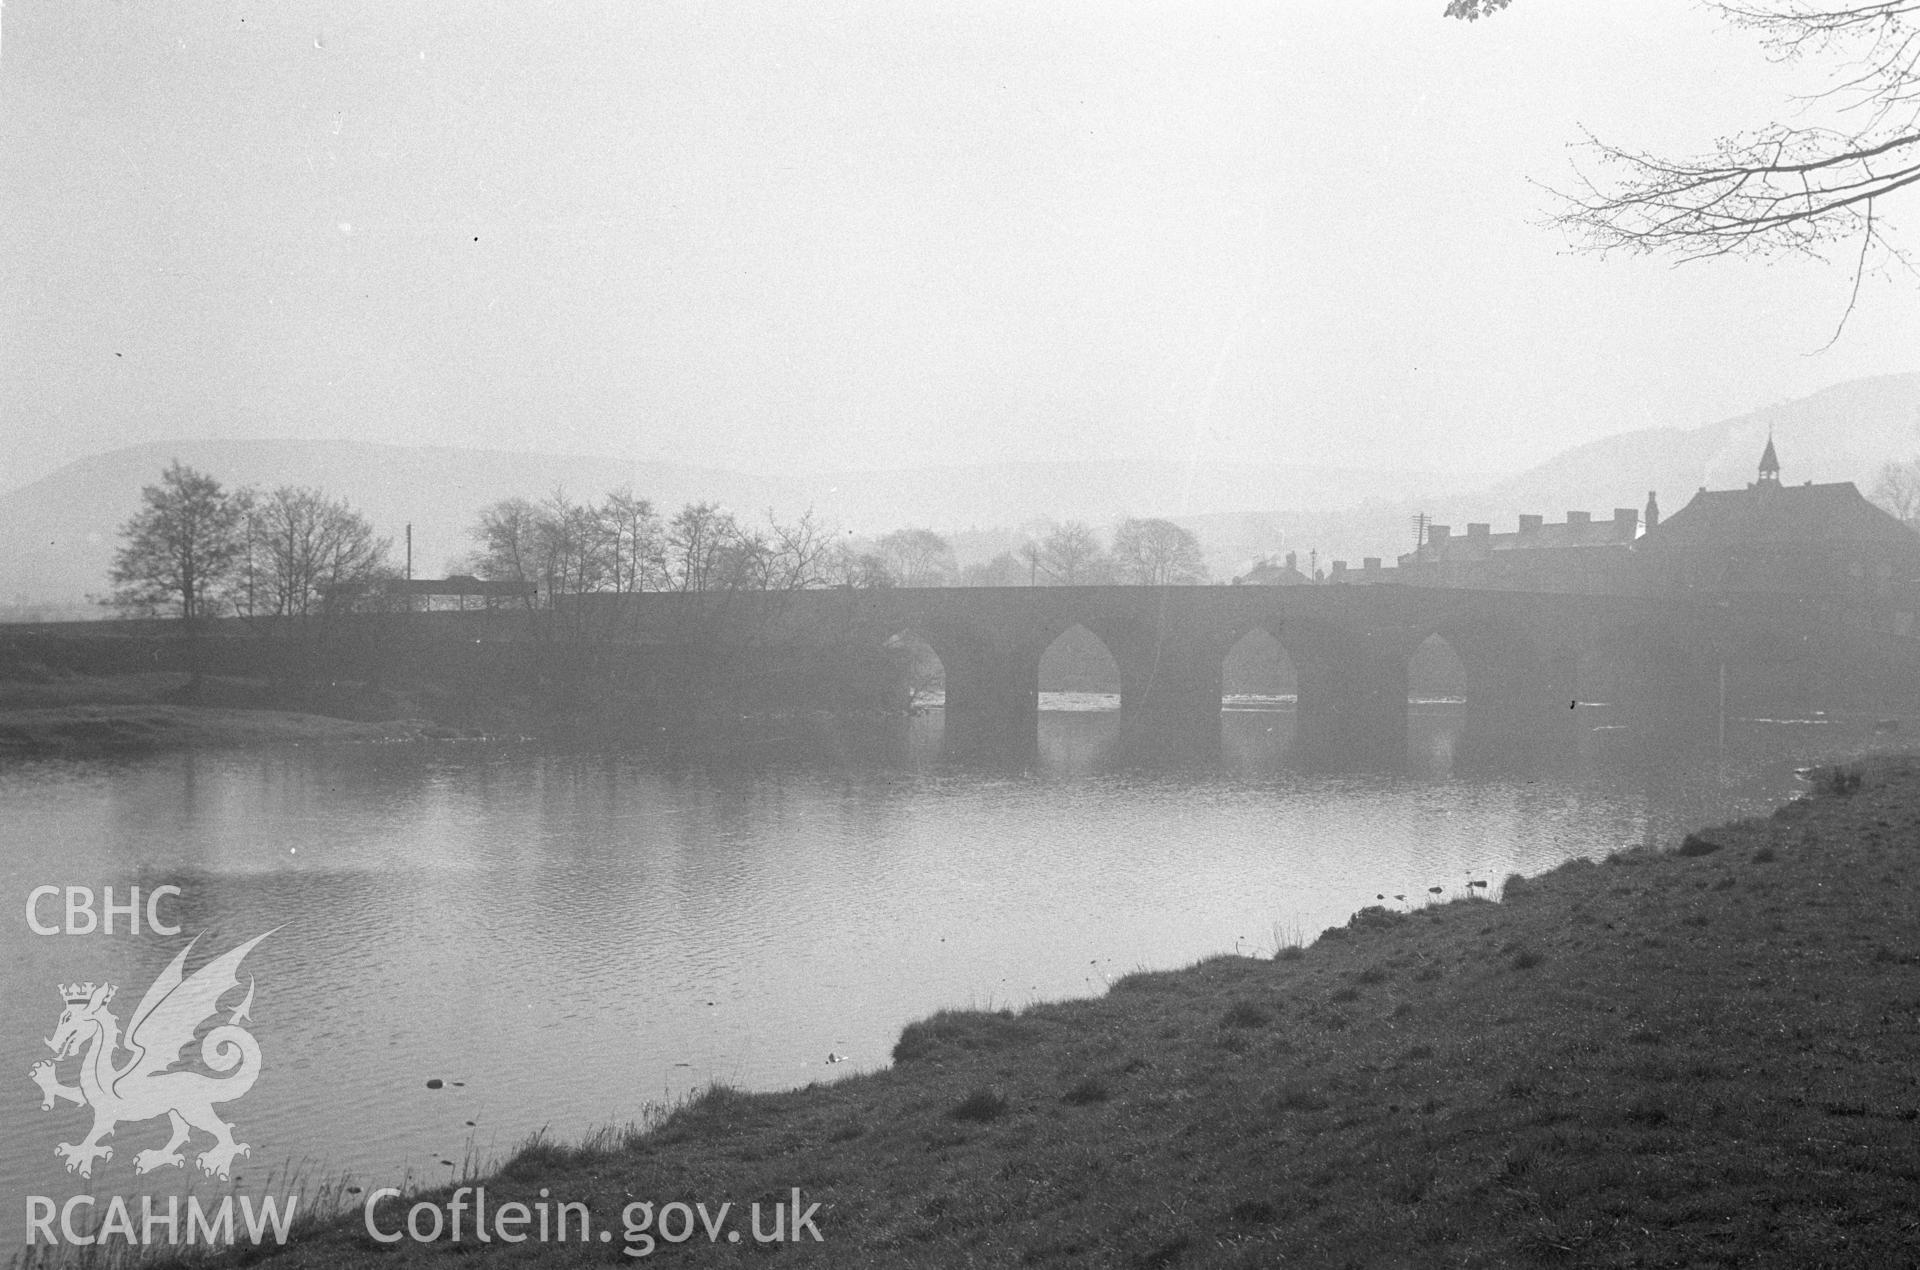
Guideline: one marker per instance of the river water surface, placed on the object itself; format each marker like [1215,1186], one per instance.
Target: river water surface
[562,938]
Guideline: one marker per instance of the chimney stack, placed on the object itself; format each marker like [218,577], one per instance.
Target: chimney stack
[1580,518]
[1530,525]
[1626,521]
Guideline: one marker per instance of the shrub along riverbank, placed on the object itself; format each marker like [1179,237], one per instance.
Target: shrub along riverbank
[1705,1056]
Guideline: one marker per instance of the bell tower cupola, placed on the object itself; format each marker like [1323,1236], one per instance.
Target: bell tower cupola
[1769,464]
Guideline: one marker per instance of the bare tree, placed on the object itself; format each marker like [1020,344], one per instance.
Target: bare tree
[1798,188]
[917,557]
[1072,555]
[308,555]
[1157,553]
[508,537]
[1898,489]
[569,539]
[183,546]
[620,546]
[849,566]
[699,539]
[1004,569]
[803,553]
[630,536]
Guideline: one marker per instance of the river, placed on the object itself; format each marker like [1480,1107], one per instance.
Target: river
[563,938]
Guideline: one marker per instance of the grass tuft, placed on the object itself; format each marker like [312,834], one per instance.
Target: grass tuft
[1086,1091]
[952,1033]
[979,1107]
[1375,917]
[1836,782]
[1245,1014]
[1254,1212]
[1296,1097]
[1696,845]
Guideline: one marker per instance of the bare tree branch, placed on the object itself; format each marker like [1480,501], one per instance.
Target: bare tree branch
[1793,189]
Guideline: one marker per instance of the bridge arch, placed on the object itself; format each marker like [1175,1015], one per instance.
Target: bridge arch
[988,698]
[1487,645]
[1517,690]
[1078,660]
[1349,649]
[924,672]
[1257,664]
[1435,670]
[1350,690]
[1436,682]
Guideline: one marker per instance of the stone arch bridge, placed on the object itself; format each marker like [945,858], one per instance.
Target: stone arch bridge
[1350,648]
[1528,656]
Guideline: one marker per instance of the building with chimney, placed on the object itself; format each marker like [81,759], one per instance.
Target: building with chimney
[1269,572]
[1823,542]
[1773,538]
[1579,554]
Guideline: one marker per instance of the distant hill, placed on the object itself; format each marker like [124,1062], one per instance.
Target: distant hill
[57,535]
[1099,491]
[1842,433]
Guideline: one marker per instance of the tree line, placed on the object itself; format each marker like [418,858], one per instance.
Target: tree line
[1141,552]
[201,551]
[297,554]
[621,544]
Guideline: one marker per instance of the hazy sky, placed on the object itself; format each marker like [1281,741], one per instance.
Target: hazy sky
[809,236]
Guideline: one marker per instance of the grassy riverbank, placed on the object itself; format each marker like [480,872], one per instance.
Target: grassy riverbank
[84,716]
[1707,1056]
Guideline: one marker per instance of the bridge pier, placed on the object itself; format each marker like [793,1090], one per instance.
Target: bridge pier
[993,701]
[1520,714]
[1669,699]
[1352,708]
[1170,699]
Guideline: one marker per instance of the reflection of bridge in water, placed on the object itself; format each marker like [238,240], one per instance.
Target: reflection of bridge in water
[1527,656]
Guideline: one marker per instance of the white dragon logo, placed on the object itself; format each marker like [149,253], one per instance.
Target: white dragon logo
[144,1087]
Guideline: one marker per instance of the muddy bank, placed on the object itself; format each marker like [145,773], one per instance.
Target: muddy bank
[73,716]
[102,730]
